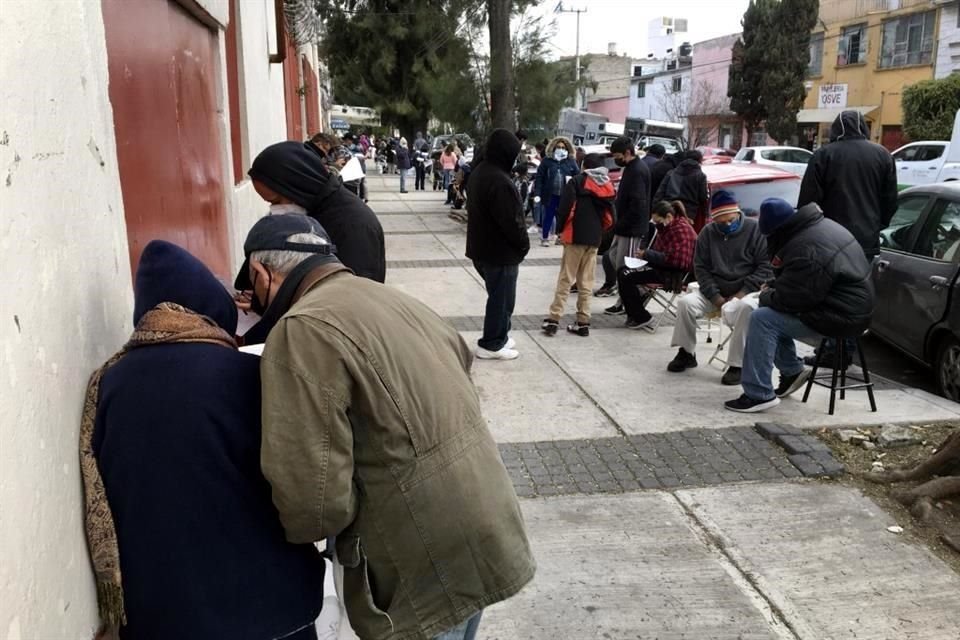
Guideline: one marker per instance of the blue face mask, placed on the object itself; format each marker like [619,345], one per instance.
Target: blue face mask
[730,227]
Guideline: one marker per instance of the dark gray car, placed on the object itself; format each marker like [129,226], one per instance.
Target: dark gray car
[918,309]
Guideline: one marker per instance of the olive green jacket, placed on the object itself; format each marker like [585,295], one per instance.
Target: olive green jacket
[372,433]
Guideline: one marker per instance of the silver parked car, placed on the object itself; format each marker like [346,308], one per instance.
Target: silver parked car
[916,276]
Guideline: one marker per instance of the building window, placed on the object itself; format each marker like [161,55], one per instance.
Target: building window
[758,138]
[908,40]
[853,45]
[637,71]
[671,64]
[677,84]
[641,89]
[816,55]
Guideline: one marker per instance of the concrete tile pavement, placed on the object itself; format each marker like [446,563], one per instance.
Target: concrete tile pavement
[785,559]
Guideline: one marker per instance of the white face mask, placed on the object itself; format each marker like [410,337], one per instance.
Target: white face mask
[280,209]
[560,154]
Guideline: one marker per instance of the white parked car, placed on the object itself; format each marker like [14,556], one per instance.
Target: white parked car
[929,161]
[792,159]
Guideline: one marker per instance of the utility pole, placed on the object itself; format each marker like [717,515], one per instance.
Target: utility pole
[578,97]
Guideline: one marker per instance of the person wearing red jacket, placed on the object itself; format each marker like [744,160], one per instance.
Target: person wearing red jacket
[670,254]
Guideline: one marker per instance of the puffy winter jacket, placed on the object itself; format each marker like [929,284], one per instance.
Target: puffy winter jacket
[550,166]
[822,275]
[854,181]
[688,184]
[633,200]
[586,208]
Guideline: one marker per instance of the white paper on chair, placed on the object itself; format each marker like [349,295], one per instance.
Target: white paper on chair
[634,263]
[352,170]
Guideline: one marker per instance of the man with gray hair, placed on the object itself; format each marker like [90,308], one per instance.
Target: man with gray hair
[372,432]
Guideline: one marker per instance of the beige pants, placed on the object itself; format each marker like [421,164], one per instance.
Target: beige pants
[577,266]
[736,315]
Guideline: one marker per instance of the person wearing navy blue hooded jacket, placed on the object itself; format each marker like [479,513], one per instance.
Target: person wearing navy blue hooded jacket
[176,438]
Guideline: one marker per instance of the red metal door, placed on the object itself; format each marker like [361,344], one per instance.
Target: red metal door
[311,98]
[892,137]
[292,92]
[162,66]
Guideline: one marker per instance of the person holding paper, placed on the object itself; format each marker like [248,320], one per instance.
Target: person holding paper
[373,433]
[184,538]
[730,263]
[671,252]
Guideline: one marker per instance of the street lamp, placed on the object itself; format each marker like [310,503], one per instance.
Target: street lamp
[576,63]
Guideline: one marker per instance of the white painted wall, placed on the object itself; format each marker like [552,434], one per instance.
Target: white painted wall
[948,42]
[65,307]
[659,95]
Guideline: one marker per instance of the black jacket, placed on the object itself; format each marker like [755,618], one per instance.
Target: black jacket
[298,175]
[633,200]
[496,231]
[589,197]
[403,158]
[688,184]
[822,275]
[854,181]
[177,440]
[659,171]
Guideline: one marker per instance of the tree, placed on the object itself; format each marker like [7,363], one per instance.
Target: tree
[769,64]
[501,65]
[705,108]
[930,107]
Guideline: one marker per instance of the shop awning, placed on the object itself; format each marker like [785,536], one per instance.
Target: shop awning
[828,115]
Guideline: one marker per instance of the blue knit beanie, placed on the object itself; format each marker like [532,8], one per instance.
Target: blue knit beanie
[722,203]
[773,213]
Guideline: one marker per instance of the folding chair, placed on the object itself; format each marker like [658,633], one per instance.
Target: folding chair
[721,341]
[666,295]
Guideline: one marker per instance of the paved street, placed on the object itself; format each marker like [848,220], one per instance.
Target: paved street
[654,512]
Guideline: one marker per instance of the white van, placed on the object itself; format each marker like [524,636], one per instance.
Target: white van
[930,161]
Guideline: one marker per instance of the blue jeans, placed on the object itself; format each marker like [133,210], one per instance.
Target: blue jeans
[466,630]
[447,178]
[770,342]
[403,179]
[501,283]
[549,214]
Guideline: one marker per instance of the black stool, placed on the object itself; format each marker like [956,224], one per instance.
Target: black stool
[840,371]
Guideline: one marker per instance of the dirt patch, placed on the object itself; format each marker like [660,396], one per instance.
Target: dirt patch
[859,460]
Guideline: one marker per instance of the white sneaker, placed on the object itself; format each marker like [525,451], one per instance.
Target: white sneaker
[511,343]
[503,354]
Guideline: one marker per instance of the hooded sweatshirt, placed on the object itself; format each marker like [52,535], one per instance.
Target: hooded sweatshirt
[688,184]
[633,200]
[586,208]
[177,440]
[295,173]
[853,180]
[496,229]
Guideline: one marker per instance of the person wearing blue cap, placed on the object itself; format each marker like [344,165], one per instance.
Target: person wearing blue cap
[821,287]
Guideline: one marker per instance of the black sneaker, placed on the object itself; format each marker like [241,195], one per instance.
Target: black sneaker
[549,327]
[731,376]
[579,329]
[746,404]
[637,324]
[682,361]
[615,310]
[606,292]
[790,384]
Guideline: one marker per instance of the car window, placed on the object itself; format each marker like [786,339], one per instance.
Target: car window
[800,157]
[749,195]
[897,234]
[908,154]
[774,155]
[930,152]
[747,155]
[940,238]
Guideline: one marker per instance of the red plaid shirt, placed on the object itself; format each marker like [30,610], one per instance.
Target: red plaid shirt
[674,246]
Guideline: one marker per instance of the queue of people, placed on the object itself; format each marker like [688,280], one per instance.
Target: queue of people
[211,474]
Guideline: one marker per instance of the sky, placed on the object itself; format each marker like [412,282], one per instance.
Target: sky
[625,22]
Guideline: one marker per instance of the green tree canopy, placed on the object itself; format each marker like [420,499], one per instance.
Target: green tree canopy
[930,107]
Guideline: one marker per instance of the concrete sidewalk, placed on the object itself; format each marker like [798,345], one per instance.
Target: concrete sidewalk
[721,559]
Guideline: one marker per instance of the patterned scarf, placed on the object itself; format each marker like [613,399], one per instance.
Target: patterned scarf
[164,324]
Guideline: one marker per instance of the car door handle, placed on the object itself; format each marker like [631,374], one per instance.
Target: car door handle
[938,282]
[882,265]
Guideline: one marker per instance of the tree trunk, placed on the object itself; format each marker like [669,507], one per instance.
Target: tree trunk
[501,65]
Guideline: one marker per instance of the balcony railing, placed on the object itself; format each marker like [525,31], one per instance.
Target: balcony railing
[832,11]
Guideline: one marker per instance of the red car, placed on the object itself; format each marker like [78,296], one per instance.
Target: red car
[752,184]
[716,155]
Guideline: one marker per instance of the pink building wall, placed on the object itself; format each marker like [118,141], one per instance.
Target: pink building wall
[616,109]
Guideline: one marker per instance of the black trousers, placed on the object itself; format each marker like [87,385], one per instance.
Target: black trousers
[633,297]
[421,179]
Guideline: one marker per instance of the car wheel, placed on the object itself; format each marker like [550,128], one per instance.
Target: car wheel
[948,368]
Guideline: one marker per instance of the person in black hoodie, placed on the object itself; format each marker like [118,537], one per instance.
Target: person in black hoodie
[586,211]
[497,240]
[288,174]
[185,539]
[663,166]
[688,184]
[633,212]
[854,181]
[821,286]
